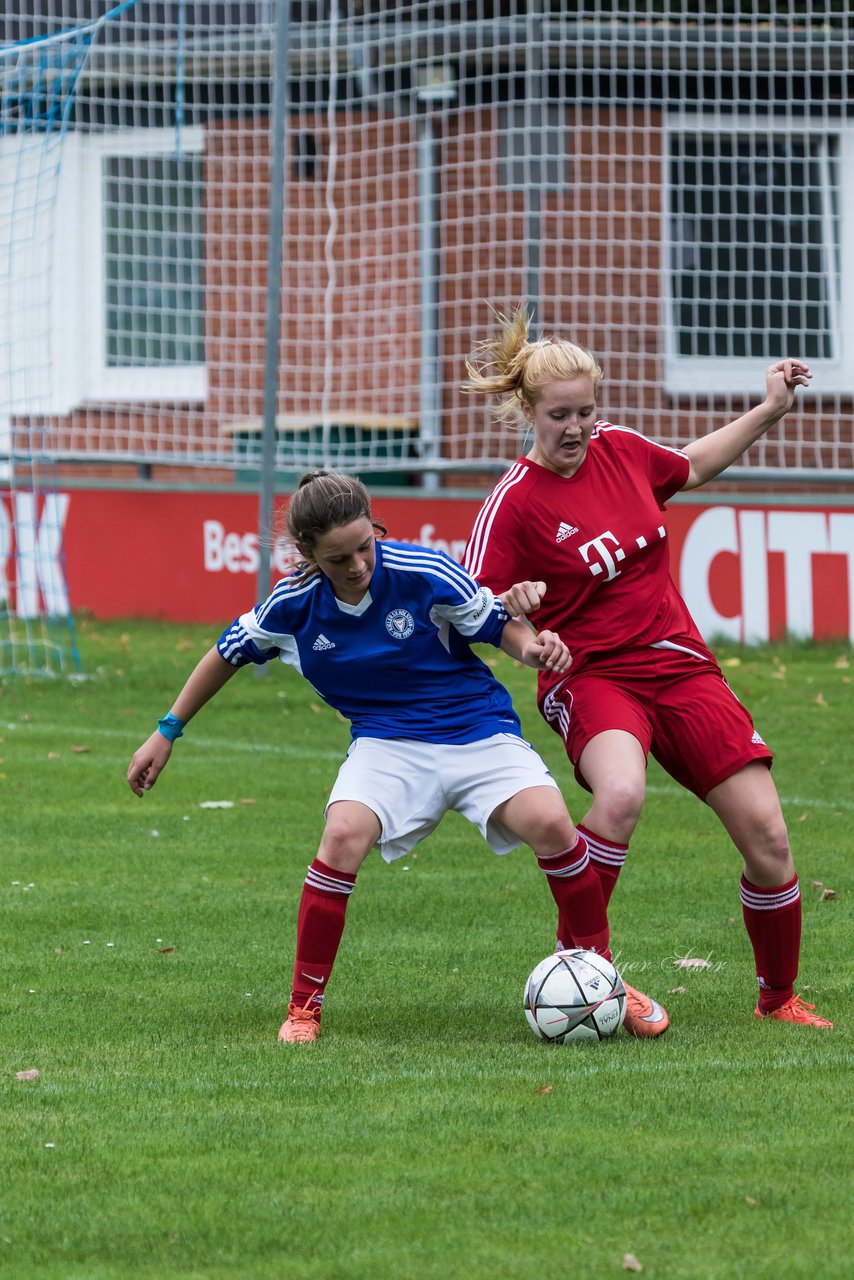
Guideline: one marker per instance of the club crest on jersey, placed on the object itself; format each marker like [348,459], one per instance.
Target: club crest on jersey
[564,531]
[400,624]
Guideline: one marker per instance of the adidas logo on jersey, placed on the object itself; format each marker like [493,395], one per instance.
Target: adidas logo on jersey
[322,643]
[565,531]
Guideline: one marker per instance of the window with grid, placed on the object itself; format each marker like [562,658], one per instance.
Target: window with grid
[753,256]
[153,260]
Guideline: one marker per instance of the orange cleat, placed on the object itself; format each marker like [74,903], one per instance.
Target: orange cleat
[644,1017]
[795,1010]
[302,1025]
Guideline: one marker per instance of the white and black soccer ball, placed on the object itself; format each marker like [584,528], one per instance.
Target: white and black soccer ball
[575,995]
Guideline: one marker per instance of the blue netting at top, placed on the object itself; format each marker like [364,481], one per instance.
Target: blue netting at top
[38,84]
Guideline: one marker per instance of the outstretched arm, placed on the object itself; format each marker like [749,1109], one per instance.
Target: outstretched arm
[715,452]
[209,676]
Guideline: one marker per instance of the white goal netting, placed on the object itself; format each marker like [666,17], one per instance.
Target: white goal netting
[38,80]
[670,188]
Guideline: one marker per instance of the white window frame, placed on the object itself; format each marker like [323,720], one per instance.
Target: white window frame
[125,384]
[717,375]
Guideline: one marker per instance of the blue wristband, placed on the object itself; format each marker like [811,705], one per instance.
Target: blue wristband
[171,727]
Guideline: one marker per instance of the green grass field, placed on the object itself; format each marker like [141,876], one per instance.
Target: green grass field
[147,950]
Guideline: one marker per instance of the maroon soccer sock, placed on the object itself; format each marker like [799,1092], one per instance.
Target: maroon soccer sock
[320,924]
[582,919]
[772,918]
[606,859]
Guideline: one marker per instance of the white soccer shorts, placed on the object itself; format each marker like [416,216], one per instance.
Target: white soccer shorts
[411,785]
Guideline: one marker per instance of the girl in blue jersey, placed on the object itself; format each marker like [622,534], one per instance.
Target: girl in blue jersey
[383,632]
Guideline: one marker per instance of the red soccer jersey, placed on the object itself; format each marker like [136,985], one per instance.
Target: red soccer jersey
[597,540]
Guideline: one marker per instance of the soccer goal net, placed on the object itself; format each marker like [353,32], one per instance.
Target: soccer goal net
[38,81]
[667,184]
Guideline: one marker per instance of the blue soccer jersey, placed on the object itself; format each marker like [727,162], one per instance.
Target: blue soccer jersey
[399,663]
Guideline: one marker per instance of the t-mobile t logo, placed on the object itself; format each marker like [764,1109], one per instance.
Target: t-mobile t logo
[598,556]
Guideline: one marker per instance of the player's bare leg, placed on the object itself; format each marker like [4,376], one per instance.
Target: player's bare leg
[614,765]
[749,807]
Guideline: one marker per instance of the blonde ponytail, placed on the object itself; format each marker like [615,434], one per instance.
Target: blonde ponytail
[512,370]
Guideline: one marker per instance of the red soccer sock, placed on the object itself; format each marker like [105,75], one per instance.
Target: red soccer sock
[772,918]
[606,859]
[320,924]
[582,919]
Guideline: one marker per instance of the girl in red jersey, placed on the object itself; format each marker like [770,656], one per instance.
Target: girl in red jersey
[582,511]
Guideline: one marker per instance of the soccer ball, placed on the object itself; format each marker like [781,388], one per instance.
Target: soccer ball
[575,995]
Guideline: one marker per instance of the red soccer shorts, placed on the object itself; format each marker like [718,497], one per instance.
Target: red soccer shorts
[678,706]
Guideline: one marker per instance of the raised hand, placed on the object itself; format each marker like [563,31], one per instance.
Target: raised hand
[781,381]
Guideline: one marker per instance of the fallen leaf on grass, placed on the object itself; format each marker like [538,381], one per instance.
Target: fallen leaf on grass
[691,962]
[676,991]
[827,895]
[630,1262]
[816,884]
[547,1088]
[31,1074]
[802,817]
[164,951]
[750,1200]
[820,700]
[54,755]
[248,800]
[217,804]
[79,749]
[841,663]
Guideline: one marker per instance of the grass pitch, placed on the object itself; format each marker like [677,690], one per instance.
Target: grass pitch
[147,949]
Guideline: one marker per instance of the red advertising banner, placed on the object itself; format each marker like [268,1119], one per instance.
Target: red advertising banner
[751,573]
